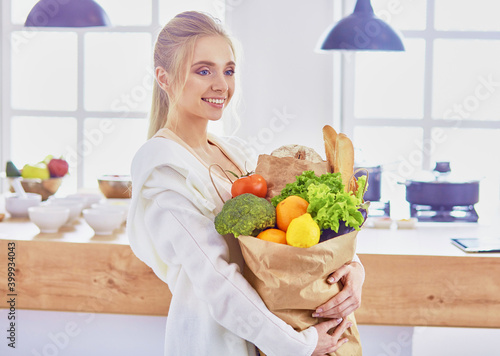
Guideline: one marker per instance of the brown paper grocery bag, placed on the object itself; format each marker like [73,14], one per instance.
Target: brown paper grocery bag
[278,171]
[292,280]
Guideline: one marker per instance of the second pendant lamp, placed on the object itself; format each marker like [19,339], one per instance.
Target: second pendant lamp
[362,30]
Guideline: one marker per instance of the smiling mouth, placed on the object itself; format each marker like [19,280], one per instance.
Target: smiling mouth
[214,101]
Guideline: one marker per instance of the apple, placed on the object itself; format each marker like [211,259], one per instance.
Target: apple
[58,167]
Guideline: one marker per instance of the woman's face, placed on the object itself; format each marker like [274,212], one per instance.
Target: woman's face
[210,80]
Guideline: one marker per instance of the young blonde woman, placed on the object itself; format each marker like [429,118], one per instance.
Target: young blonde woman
[213,311]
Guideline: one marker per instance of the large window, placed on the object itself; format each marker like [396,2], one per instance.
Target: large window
[437,101]
[82,93]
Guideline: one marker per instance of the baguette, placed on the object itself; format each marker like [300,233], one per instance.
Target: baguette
[330,138]
[344,159]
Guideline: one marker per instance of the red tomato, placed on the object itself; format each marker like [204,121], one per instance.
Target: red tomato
[254,184]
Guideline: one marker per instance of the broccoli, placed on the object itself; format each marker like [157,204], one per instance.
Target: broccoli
[245,214]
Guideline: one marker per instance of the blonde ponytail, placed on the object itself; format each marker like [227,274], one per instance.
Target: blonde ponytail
[159,110]
[173,51]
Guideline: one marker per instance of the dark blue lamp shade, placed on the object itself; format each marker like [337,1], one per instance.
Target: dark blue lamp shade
[362,30]
[67,13]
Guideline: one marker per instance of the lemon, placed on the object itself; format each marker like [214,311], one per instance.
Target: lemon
[303,231]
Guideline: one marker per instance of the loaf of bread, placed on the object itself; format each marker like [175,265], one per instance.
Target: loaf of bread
[330,138]
[298,152]
[340,155]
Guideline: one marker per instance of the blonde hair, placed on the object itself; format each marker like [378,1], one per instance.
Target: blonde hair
[173,51]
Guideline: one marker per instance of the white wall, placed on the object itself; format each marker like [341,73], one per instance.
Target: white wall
[286,85]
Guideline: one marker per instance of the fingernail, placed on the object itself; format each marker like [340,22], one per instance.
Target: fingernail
[339,320]
[319,310]
[315,315]
[331,280]
[346,340]
[349,325]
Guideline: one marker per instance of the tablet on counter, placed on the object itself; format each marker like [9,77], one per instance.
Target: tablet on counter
[473,244]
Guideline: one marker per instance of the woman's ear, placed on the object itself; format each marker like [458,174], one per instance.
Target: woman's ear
[162,78]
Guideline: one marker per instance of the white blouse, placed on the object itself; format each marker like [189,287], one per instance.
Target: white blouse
[214,310]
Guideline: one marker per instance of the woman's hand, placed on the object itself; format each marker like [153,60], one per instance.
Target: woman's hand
[330,343]
[352,276]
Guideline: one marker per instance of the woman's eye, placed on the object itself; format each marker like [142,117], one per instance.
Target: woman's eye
[229,72]
[204,72]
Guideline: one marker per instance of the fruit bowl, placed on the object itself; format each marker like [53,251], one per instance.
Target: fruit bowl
[44,187]
[115,186]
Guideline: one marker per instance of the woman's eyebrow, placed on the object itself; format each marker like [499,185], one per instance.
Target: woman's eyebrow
[212,64]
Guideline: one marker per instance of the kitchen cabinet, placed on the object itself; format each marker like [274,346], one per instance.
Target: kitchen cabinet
[413,277]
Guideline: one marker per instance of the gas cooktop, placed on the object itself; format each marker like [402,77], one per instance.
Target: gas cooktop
[427,213]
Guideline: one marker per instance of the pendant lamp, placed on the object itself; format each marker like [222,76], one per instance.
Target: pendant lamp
[362,30]
[67,13]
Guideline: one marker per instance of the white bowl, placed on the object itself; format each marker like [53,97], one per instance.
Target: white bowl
[49,218]
[102,221]
[382,223]
[108,207]
[75,206]
[17,206]
[89,198]
[410,223]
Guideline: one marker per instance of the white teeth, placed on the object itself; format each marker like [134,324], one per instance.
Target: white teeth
[215,101]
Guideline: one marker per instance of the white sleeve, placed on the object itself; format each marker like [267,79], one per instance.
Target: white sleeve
[183,236]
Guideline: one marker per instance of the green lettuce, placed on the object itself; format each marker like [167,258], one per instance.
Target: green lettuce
[328,202]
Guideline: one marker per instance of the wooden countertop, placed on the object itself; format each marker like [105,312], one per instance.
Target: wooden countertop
[413,277]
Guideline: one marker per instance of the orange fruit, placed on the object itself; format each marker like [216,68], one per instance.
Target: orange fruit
[288,209]
[273,235]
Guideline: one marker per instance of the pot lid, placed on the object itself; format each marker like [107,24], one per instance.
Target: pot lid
[442,174]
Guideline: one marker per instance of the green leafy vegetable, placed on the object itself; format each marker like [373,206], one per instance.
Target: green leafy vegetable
[328,202]
[302,182]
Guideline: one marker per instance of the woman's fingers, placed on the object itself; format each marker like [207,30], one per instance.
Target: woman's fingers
[349,298]
[331,342]
[326,326]
[334,309]
[338,274]
[341,305]
[339,330]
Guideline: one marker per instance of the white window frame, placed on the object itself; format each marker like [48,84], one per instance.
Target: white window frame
[426,123]
[7,112]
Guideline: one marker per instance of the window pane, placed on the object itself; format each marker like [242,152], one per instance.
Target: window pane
[118,71]
[402,14]
[398,151]
[34,138]
[169,8]
[466,15]
[471,153]
[390,85]
[44,70]
[127,12]
[466,80]
[110,145]
[20,10]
